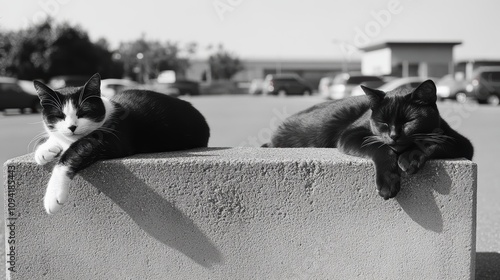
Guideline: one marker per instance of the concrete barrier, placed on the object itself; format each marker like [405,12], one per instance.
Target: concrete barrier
[242,213]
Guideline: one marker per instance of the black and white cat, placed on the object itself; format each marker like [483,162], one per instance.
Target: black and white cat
[84,127]
[399,130]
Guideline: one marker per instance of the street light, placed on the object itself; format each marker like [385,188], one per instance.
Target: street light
[140,71]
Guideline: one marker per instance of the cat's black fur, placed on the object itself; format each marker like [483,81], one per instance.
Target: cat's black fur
[143,122]
[131,122]
[398,130]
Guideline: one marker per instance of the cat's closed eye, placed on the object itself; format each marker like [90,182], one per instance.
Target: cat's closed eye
[384,126]
[410,122]
[59,116]
[82,115]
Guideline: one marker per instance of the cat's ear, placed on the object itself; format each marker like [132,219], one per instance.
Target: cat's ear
[376,96]
[44,92]
[93,86]
[425,93]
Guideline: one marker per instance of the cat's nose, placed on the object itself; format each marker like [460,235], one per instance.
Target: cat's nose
[394,136]
[72,128]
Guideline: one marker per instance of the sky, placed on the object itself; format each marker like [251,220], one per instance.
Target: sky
[278,29]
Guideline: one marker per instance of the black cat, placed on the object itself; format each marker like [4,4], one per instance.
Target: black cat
[399,130]
[84,127]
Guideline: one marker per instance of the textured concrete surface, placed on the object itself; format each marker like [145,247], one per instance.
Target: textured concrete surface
[243,213]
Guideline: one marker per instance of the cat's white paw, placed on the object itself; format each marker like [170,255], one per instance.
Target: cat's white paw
[45,154]
[57,189]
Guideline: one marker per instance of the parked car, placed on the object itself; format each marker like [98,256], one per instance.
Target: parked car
[27,86]
[344,83]
[110,87]
[324,86]
[285,84]
[485,85]
[408,83]
[179,87]
[186,87]
[67,81]
[221,87]
[256,87]
[164,88]
[12,96]
[452,87]
[399,83]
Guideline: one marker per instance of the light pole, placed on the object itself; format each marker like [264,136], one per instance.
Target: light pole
[140,71]
[339,43]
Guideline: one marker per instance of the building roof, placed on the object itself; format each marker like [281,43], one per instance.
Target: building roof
[391,44]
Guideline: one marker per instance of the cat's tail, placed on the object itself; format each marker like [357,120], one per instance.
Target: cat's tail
[266,145]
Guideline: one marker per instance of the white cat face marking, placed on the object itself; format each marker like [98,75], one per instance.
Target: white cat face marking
[72,127]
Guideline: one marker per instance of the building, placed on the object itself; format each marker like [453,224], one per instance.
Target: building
[404,59]
[310,69]
[391,58]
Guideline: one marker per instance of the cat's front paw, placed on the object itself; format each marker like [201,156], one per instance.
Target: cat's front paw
[45,154]
[57,190]
[388,184]
[411,161]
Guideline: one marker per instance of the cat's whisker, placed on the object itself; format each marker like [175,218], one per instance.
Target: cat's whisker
[59,101]
[41,134]
[36,138]
[51,101]
[108,130]
[423,139]
[383,144]
[371,140]
[80,97]
[35,141]
[83,101]
[432,135]
[53,104]
[368,143]
[434,138]
[430,141]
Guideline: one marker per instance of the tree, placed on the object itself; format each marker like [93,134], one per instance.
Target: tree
[24,52]
[47,50]
[72,53]
[223,64]
[144,59]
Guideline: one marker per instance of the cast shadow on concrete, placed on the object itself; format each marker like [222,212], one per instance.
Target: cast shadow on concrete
[198,152]
[156,216]
[487,266]
[419,203]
